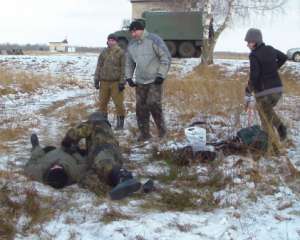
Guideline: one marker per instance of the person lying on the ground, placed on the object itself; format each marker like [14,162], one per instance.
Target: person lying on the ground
[53,166]
[98,167]
[104,158]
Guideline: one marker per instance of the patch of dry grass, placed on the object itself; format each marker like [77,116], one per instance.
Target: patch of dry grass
[291,83]
[207,90]
[12,82]
[111,214]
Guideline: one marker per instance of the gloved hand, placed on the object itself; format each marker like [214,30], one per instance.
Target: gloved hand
[121,87]
[249,102]
[69,145]
[158,80]
[130,82]
[96,84]
[248,91]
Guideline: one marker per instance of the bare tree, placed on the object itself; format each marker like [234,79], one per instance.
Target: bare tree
[219,14]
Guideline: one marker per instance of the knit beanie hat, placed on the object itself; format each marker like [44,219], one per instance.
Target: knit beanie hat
[254,35]
[136,25]
[112,36]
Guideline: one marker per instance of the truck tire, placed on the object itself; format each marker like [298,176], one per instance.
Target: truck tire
[123,43]
[172,48]
[296,57]
[187,49]
[198,52]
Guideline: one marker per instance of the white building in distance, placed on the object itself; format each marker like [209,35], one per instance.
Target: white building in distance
[61,47]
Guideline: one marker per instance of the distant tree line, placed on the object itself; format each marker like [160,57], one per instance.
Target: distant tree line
[42,47]
[88,49]
[24,47]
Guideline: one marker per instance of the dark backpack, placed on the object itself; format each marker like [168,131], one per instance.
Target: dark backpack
[254,138]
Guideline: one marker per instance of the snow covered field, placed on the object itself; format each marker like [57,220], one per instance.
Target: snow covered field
[260,200]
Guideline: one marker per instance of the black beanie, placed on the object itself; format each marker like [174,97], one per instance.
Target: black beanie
[56,178]
[136,25]
[254,35]
[112,36]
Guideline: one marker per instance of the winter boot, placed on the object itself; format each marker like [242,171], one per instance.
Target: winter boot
[143,137]
[124,189]
[120,123]
[162,132]
[148,186]
[282,131]
[34,140]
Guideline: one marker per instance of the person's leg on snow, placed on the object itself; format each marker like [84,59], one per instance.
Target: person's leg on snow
[142,112]
[269,118]
[104,96]
[118,99]
[155,106]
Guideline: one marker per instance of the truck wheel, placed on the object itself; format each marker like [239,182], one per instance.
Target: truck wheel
[123,43]
[198,52]
[172,47]
[187,50]
[296,57]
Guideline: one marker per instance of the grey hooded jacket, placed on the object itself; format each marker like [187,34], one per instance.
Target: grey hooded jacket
[148,57]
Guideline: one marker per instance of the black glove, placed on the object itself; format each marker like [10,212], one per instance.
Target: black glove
[96,84]
[248,91]
[121,87]
[158,80]
[130,82]
[69,145]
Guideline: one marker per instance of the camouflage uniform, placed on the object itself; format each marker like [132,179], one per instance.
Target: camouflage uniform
[148,100]
[40,162]
[103,152]
[110,73]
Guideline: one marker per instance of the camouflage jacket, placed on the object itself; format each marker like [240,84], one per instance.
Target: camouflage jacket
[149,57]
[101,144]
[40,162]
[111,65]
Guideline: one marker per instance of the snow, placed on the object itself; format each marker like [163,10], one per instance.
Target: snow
[80,214]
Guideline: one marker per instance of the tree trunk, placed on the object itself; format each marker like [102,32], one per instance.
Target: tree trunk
[207,57]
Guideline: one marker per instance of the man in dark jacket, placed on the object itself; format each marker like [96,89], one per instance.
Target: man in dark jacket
[265,81]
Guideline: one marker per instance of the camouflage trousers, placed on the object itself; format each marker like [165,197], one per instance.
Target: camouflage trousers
[103,159]
[148,100]
[110,89]
[268,117]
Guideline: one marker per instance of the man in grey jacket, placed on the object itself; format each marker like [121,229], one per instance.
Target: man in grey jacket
[149,58]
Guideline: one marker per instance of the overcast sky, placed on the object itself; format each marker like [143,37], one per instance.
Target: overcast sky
[88,22]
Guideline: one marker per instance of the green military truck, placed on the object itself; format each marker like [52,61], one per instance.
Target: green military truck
[181,31]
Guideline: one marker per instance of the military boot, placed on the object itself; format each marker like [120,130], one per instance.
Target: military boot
[125,189]
[34,140]
[282,131]
[143,137]
[120,123]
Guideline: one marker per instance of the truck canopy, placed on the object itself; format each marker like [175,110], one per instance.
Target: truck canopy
[175,25]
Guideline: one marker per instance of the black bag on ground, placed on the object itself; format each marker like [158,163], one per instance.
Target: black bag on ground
[254,138]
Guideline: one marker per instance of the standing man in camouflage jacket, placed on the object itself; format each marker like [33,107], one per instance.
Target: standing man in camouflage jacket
[150,59]
[110,74]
